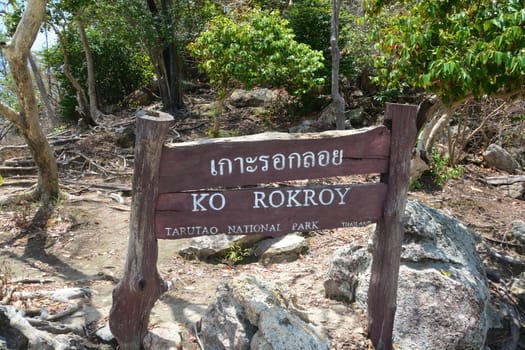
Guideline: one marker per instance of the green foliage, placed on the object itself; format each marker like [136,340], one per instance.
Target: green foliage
[311,23]
[120,68]
[442,171]
[1,180]
[455,48]
[255,47]
[236,253]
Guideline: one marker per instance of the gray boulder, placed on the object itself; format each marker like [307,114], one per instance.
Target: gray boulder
[250,313]
[258,97]
[280,249]
[442,290]
[497,157]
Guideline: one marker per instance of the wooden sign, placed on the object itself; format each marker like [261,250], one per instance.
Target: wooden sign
[234,186]
[272,211]
[189,203]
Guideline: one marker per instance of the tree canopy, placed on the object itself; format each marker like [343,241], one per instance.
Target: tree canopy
[455,48]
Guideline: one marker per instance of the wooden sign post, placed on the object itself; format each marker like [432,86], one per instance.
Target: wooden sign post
[228,186]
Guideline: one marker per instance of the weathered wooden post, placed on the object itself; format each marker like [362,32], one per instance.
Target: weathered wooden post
[141,285]
[382,291]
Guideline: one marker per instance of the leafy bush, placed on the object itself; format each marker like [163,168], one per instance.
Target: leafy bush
[442,171]
[252,47]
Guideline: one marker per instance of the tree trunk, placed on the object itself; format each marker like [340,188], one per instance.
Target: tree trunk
[338,100]
[167,63]
[27,120]
[82,100]
[92,90]
[43,93]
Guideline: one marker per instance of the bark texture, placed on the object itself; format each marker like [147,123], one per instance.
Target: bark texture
[141,285]
[382,292]
[338,100]
[27,119]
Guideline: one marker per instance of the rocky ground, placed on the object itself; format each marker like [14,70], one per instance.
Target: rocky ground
[84,242]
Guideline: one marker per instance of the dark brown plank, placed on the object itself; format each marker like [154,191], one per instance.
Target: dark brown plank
[272,210]
[388,238]
[255,159]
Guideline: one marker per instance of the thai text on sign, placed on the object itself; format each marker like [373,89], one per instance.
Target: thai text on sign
[196,179]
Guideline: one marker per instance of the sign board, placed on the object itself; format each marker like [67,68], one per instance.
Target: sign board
[240,186]
[203,185]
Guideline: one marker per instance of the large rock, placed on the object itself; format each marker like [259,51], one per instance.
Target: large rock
[253,314]
[442,290]
[497,157]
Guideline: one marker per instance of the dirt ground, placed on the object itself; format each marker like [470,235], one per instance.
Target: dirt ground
[84,245]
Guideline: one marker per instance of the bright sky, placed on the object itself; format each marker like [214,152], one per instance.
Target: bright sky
[40,42]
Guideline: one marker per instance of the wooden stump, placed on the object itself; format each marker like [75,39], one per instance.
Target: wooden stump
[141,285]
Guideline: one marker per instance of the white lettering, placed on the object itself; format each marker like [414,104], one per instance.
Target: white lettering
[278,204]
[222,201]
[197,206]
[342,195]
[309,197]
[331,196]
[213,204]
[259,200]
[292,198]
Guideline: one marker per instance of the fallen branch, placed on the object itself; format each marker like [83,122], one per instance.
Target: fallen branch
[13,170]
[504,180]
[56,328]
[32,281]
[502,257]
[7,299]
[62,295]
[70,310]
[126,190]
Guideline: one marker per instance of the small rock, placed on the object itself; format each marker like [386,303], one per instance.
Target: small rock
[355,116]
[341,280]
[281,249]
[497,157]
[517,287]
[104,333]
[327,115]
[257,97]
[305,126]
[518,231]
[204,247]
[164,336]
